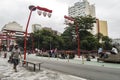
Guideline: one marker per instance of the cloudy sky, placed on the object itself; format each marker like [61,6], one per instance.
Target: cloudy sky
[17,10]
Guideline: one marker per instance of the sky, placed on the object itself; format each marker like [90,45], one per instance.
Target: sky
[17,10]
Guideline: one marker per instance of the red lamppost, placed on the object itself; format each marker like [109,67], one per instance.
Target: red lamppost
[33,8]
[70,20]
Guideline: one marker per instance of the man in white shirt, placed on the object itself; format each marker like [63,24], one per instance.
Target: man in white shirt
[15,56]
[114,50]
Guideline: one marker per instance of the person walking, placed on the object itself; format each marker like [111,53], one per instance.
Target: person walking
[15,57]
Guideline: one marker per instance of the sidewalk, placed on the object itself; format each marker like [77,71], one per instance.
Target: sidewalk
[7,72]
[77,60]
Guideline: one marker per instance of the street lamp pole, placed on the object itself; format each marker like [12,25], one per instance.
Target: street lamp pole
[25,38]
[71,21]
[33,8]
[78,40]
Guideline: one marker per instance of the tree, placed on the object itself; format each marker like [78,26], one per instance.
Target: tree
[99,36]
[68,39]
[20,41]
[47,39]
[85,24]
[89,43]
[104,41]
[107,43]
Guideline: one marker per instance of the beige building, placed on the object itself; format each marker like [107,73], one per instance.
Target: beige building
[102,27]
[36,27]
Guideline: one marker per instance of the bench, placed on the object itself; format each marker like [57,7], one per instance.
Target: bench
[31,62]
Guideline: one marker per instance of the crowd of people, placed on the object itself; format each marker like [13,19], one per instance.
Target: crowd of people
[104,54]
[16,54]
[63,54]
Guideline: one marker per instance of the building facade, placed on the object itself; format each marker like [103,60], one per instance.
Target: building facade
[116,41]
[12,26]
[36,27]
[103,29]
[82,8]
[9,33]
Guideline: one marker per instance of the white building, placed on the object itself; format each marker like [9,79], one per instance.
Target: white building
[116,41]
[36,27]
[9,32]
[12,26]
[81,8]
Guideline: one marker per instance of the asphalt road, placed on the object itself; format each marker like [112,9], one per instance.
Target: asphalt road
[85,71]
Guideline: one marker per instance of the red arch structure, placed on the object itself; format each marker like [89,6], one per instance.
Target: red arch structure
[7,36]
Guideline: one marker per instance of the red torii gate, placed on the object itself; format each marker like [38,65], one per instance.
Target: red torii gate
[11,35]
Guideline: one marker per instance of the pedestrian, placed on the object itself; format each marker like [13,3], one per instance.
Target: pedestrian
[114,50]
[15,57]
[100,52]
[55,52]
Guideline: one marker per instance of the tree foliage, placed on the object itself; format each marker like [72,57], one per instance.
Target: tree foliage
[84,24]
[107,43]
[46,39]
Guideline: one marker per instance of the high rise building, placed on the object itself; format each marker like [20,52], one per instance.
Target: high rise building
[84,8]
[102,27]
[81,8]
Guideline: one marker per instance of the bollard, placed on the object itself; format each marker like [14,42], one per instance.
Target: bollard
[82,59]
[68,57]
